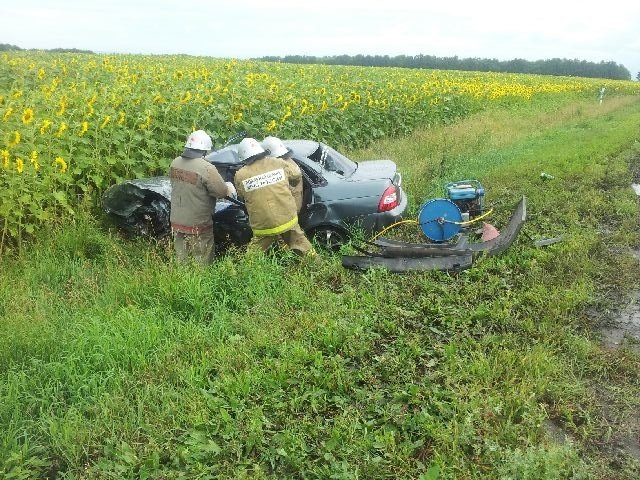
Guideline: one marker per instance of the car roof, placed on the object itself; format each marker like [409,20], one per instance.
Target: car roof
[301,148]
[229,155]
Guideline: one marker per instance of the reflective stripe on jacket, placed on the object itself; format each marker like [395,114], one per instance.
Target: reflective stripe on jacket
[195,184]
[264,185]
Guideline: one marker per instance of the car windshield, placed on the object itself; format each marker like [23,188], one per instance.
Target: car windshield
[333,161]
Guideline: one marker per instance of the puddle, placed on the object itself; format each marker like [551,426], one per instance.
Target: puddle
[555,432]
[636,188]
[624,329]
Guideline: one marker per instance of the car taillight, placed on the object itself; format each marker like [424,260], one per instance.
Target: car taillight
[389,199]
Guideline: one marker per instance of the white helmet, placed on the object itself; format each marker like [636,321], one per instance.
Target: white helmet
[249,148]
[199,140]
[275,146]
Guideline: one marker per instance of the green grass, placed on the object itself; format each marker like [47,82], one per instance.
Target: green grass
[118,363]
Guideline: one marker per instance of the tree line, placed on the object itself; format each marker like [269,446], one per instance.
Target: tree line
[553,66]
[7,46]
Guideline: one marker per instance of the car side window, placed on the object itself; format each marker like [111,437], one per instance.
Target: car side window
[313,178]
[332,161]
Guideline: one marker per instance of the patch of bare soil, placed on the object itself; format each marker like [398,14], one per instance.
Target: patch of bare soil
[621,432]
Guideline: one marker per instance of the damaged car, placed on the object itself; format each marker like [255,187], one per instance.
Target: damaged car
[339,195]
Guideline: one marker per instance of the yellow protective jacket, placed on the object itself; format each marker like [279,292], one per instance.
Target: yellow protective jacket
[195,184]
[296,187]
[264,186]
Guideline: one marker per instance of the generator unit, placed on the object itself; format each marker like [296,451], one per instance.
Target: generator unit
[468,195]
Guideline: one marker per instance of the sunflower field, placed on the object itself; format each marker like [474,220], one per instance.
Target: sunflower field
[73,124]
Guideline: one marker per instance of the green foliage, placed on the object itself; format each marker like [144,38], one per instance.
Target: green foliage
[118,363]
[74,124]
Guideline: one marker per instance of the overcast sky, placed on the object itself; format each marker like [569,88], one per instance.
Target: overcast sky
[534,29]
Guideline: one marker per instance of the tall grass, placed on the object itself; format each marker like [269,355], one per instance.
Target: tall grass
[118,363]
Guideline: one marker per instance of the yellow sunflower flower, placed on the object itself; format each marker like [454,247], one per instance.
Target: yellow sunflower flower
[5,158]
[83,128]
[15,140]
[61,107]
[146,124]
[286,115]
[34,160]
[8,112]
[44,126]
[19,165]
[27,116]
[63,127]
[61,164]
[106,121]
[272,126]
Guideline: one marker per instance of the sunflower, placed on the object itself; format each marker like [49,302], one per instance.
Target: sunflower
[5,158]
[46,124]
[61,107]
[16,139]
[61,164]
[27,116]
[286,115]
[63,127]
[34,160]
[19,165]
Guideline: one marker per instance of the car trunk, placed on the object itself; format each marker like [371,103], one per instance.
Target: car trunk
[374,170]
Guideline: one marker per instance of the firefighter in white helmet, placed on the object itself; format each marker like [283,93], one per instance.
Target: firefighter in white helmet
[195,186]
[276,148]
[263,183]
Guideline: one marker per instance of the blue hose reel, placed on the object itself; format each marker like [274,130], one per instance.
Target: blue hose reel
[441,219]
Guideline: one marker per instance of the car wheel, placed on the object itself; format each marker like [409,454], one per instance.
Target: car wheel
[329,238]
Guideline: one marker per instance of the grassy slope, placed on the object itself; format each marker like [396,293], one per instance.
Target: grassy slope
[120,364]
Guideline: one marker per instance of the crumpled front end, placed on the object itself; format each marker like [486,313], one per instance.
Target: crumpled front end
[140,207]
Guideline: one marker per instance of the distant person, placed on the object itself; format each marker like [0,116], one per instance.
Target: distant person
[601,94]
[263,183]
[276,148]
[195,186]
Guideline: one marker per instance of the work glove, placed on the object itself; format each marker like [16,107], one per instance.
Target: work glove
[231,189]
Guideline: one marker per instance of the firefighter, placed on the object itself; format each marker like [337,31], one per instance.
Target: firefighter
[276,148]
[195,185]
[264,184]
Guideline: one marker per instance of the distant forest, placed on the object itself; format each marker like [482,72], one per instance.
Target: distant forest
[554,66]
[6,46]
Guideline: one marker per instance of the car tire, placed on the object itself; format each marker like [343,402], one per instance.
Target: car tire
[329,238]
